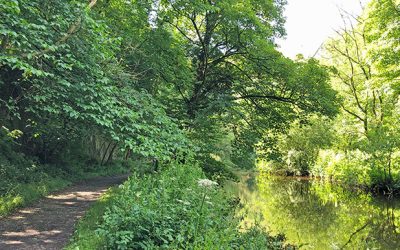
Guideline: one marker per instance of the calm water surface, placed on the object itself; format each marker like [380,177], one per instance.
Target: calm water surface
[316,215]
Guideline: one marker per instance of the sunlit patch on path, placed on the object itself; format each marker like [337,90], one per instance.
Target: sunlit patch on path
[49,224]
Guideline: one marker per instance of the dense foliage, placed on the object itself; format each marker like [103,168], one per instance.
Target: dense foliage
[368,144]
[177,83]
[361,146]
[101,80]
[177,209]
[56,94]
[299,147]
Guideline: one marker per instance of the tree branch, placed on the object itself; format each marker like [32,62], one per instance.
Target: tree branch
[272,97]
[352,113]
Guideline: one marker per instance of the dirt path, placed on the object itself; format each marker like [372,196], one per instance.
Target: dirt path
[49,223]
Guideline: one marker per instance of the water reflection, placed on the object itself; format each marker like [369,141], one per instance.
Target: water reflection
[316,215]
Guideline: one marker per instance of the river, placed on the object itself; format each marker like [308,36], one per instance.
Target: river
[317,215]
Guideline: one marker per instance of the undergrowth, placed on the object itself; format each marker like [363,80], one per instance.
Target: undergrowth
[169,210]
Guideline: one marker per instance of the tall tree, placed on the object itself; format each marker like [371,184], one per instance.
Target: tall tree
[214,64]
[370,102]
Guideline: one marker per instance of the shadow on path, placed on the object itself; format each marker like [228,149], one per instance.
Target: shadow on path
[50,223]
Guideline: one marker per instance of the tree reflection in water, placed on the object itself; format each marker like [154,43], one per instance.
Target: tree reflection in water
[319,215]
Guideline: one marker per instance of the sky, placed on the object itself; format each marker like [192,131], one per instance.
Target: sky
[310,22]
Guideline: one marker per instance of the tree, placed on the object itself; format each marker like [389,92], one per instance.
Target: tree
[382,32]
[214,65]
[368,93]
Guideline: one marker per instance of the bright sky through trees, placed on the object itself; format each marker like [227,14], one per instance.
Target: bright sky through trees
[310,22]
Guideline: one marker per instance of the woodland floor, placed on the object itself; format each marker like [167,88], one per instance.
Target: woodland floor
[50,222]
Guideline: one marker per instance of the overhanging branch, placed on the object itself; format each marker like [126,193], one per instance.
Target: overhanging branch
[272,97]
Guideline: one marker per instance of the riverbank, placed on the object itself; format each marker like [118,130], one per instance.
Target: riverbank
[389,188]
[174,209]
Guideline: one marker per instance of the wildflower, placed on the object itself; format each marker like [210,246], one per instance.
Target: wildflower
[206,183]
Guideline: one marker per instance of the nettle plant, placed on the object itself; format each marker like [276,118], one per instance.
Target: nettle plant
[170,210]
[177,209]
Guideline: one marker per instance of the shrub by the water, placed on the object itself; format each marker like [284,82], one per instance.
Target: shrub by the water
[177,209]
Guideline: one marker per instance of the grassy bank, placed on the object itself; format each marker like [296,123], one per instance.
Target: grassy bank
[85,236]
[175,209]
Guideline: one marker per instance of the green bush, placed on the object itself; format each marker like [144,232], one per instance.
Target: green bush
[174,210]
[357,169]
[300,146]
[348,167]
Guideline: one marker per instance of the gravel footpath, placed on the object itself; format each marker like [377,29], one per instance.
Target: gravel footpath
[50,223]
